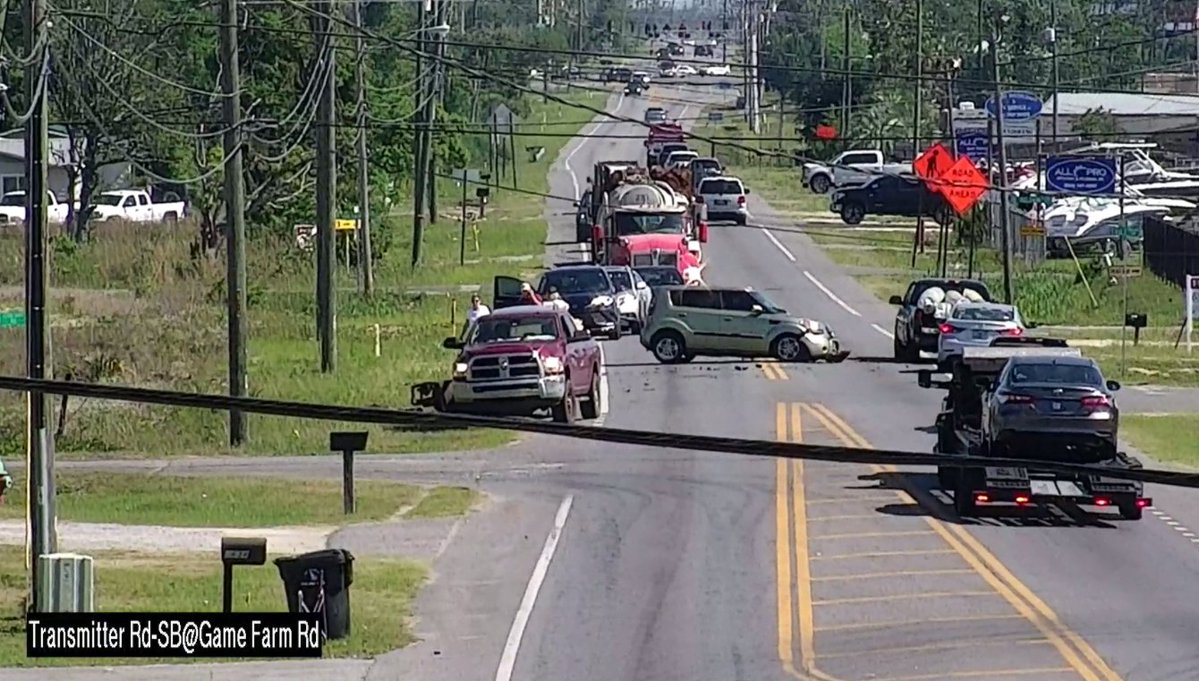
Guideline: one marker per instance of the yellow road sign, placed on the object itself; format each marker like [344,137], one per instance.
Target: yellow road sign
[346,225]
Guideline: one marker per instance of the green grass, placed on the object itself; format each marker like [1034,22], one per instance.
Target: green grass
[1168,438]
[380,596]
[210,501]
[132,307]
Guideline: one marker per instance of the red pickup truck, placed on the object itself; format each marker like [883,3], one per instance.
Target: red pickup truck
[522,359]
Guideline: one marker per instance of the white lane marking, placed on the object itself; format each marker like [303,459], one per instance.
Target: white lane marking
[508,657]
[778,244]
[830,294]
[603,389]
[883,331]
[574,179]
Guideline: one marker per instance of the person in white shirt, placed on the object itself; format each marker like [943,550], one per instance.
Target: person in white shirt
[477,310]
[555,301]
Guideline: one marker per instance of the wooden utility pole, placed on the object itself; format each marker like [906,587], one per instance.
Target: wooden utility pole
[235,217]
[847,90]
[326,190]
[1001,181]
[40,445]
[366,267]
[435,94]
[917,88]
[422,165]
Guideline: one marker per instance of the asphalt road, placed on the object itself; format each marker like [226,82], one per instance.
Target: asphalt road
[626,563]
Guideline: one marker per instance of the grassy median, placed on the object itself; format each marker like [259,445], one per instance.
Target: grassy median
[212,501]
[1169,438]
[133,307]
[380,598]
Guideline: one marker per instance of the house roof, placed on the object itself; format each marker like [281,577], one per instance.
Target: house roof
[1124,104]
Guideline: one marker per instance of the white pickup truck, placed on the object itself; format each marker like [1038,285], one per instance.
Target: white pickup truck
[12,208]
[850,168]
[135,205]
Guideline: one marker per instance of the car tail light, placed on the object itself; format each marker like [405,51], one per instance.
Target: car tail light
[948,328]
[981,497]
[1012,332]
[1144,503]
[740,200]
[1096,402]
[1016,399]
[1103,501]
[1021,499]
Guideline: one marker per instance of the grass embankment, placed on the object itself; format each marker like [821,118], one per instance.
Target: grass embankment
[210,501]
[1049,292]
[1169,438]
[132,307]
[381,597]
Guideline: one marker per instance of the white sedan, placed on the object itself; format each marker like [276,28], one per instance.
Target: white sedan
[720,70]
[976,325]
[683,70]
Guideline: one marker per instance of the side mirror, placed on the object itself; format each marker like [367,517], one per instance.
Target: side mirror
[641,285]
[747,191]
[756,310]
[895,300]
[1113,385]
[578,336]
[451,343]
[1031,325]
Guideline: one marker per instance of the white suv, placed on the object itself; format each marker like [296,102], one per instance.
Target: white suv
[725,198]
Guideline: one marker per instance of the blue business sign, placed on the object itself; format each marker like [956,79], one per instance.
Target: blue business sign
[1017,107]
[1081,175]
[974,145]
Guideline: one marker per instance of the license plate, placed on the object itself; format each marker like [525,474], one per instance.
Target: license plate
[1057,406]
[980,335]
[721,202]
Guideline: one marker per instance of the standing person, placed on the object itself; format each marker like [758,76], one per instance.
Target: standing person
[555,301]
[528,296]
[477,310]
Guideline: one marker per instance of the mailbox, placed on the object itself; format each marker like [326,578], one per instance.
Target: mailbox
[239,551]
[347,443]
[1138,321]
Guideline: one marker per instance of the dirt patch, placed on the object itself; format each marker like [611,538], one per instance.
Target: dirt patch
[150,538]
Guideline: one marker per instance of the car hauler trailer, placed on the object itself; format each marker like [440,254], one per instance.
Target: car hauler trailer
[967,381]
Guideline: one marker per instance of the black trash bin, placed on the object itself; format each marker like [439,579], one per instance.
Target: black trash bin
[320,582]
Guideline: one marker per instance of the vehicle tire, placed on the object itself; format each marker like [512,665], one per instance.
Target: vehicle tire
[615,333]
[669,347]
[741,220]
[790,348]
[590,407]
[947,478]
[852,213]
[564,411]
[963,496]
[1130,511]
[820,184]
[899,350]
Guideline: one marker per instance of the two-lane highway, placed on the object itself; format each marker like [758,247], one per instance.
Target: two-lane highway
[669,564]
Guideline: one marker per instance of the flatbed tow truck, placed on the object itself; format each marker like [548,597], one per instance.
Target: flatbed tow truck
[966,378]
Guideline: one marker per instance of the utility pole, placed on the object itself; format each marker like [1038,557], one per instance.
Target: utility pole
[918,86]
[435,93]
[1056,82]
[40,492]
[752,99]
[326,190]
[1004,216]
[724,36]
[366,267]
[847,90]
[235,217]
[418,197]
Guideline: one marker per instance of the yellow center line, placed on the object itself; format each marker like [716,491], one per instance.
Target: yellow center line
[773,371]
[892,575]
[783,559]
[1069,644]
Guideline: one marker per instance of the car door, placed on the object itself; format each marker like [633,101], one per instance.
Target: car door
[505,292]
[903,317]
[700,311]
[644,294]
[576,354]
[745,329]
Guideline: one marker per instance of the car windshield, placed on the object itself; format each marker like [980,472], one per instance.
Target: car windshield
[498,329]
[13,200]
[1064,374]
[621,279]
[720,187]
[984,314]
[766,303]
[629,224]
[577,280]
[661,276]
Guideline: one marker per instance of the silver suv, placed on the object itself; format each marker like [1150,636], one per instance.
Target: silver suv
[725,198]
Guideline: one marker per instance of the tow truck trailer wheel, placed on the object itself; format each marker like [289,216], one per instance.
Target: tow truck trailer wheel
[963,494]
[947,478]
[1129,510]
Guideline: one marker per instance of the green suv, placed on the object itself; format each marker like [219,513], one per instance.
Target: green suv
[688,321]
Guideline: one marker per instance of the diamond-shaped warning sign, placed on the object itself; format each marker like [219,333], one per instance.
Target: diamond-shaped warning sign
[962,185]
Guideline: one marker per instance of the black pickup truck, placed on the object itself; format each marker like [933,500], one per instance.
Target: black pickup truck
[970,386]
[900,195]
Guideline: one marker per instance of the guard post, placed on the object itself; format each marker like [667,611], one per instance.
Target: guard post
[347,443]
[239,551]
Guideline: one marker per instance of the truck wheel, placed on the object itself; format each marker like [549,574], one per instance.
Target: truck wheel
[790,348]
[564,411]
[669,347]
[819,184]
[947,478]
[591,404]
[963,496]
[615,333]
[852,213]
[899,349]
[1130,511]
